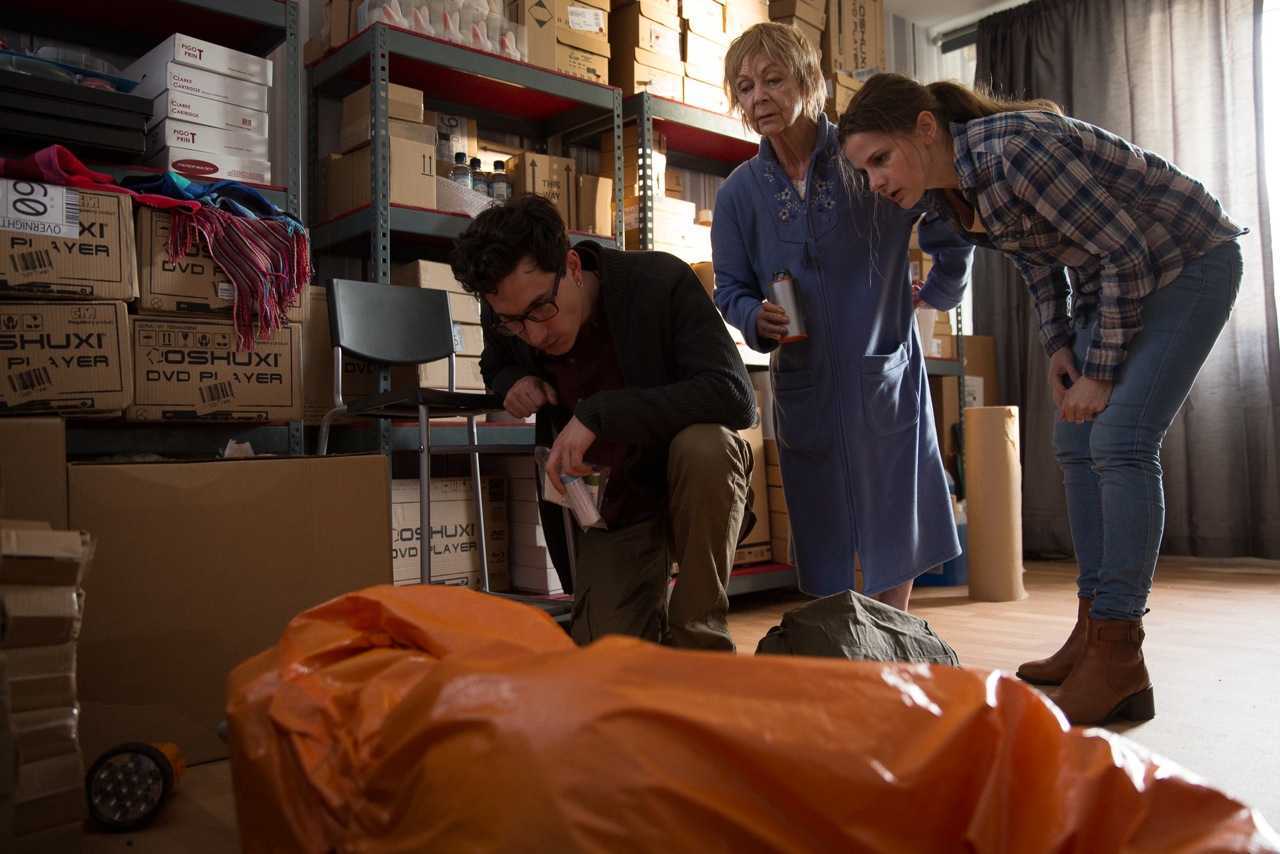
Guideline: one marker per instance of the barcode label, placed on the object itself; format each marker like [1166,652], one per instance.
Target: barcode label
[27,265]
[214,395]
[24,385]
[225,290]
[43,209]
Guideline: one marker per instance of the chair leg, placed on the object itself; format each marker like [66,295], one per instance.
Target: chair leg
[322,446]
[571,545]
[424,493]
[477,496]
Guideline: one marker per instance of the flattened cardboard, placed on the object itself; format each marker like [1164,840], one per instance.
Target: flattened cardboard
[186,369]
[94,261]
[67,357]
[33,469]
[220,555]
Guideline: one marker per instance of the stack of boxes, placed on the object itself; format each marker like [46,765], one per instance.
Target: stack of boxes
[209,106]
[647,55]
[532,570]
[68,267]
[455,534]
[40,574]
[810,18]
[704,42]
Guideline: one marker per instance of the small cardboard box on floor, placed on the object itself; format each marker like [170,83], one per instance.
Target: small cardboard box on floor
[62,242]
[201,565]
[68,357]
[185,369]
[455,536]
[193,283]
[755,547]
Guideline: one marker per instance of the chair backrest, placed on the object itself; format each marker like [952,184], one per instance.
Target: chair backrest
[390,324]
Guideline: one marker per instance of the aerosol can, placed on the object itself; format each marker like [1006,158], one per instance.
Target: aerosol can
[784,294]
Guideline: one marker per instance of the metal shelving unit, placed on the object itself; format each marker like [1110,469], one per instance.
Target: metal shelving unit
[502,95]
[131,28]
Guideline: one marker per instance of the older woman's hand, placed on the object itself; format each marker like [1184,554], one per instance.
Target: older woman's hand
[772,321]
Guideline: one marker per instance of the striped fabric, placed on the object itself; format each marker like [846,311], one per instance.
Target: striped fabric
[1058,193]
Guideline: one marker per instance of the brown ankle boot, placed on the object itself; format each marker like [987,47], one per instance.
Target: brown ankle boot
[1057,667]
[1110,681]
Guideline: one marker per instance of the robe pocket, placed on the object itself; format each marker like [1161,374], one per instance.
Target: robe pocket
[797,420]
[890,393]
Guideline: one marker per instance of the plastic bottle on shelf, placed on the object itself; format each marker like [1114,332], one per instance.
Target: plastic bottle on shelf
[500,182]
[479,178]
[460,173]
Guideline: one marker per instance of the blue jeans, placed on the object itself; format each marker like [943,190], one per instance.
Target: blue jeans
[1111,465]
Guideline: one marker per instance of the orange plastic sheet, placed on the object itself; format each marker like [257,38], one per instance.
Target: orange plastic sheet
[440,719]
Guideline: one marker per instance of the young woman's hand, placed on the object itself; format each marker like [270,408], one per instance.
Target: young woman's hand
[1062,374]
[1085,399]
[772,321]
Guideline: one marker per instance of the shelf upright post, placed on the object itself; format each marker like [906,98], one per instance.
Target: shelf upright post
[644,172]
[619,173]
[380,236]
[293,151]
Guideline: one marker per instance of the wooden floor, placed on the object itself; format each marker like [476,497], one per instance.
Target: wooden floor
[1213,635]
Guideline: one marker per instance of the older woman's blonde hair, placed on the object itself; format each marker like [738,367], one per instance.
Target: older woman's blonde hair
[786,46]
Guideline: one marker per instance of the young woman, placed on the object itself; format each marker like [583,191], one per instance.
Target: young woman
[1156,268]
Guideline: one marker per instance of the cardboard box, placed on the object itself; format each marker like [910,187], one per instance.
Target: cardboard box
[742,15]
[60,242]
[705,95]
[546,175]
[41,677]
[192,284]
[588,65]
[38,615]
[50,793]
[43,556]
[180,134]
[631,139]
[866,34]
[211,164]
[455,536]
[631,185]
[359,378]
[178,540]
[980,364]
[65,357]
[181,106]
[426,274]
[648,58]
[814,13]
[403,103]
[595,204]
[412,179]
[632,78]
[753,554]
[584,17]
[186,369]
[704,59]
[157,75]
[759,487]
[206,56]
[356,135]
[809,31]
[665,12]
[538,579]
[42,733]
[706,18]
[33,470]
[467,376]
[633,29]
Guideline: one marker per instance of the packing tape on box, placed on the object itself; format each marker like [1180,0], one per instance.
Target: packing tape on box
[994,493]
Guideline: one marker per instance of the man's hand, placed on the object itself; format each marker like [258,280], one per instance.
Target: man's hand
[567,453]
[772,321]
[916,302]
[1062,374]
[527,396]
[1085,399]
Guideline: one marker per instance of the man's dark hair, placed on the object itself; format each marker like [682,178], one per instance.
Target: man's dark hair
[498,239]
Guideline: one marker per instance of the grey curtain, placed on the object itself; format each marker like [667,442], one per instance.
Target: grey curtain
[1181,78]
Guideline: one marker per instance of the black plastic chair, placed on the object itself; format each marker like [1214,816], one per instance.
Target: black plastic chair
[412,326]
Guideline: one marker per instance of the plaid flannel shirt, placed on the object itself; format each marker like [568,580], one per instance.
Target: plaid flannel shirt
[1058,193]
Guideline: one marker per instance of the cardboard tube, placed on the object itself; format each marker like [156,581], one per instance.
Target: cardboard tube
[993,490]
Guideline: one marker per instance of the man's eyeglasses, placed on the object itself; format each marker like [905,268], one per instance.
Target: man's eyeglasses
[540,311]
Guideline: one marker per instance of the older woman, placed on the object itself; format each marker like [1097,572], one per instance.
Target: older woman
[860,464]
